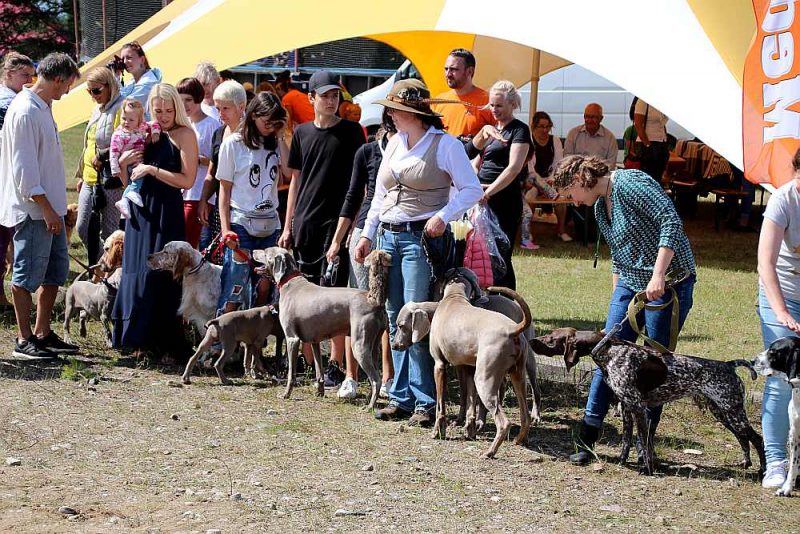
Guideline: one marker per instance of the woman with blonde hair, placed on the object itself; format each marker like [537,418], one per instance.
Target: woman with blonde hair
[146,309]
[17,71]
[98,190]
[504,148]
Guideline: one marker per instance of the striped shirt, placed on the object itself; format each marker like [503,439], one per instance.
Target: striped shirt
[643,219]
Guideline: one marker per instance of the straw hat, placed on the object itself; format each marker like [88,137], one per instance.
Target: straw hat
[409,95]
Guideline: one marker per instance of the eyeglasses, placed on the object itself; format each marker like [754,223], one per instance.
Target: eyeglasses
[543,127]
[598,117]
[95,91]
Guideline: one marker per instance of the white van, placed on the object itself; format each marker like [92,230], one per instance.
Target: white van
[563,94]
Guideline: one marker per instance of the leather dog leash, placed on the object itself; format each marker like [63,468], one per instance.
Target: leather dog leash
[639,302]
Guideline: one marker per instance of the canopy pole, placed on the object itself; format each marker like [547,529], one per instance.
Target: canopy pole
[534,96]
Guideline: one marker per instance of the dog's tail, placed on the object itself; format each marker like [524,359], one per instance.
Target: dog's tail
[516,297]
[378,277]
[743,363]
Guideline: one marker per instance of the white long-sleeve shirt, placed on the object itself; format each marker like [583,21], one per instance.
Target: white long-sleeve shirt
[450,157]
[31,161]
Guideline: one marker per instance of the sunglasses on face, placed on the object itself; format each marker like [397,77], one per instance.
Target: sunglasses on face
[95,91]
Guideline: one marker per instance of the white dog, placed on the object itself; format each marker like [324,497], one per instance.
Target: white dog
[201,280]
[782,359]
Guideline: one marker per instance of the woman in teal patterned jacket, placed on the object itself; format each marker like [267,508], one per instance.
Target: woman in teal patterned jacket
[645,234]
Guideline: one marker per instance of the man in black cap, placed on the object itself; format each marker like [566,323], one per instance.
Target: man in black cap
[321,159]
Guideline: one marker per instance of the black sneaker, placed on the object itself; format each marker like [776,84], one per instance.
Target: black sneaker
[333,375]
[55,344]
[32,349]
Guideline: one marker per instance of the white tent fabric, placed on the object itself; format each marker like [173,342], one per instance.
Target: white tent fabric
[657,49]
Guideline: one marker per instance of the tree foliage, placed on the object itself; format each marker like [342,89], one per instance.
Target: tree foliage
[36,27]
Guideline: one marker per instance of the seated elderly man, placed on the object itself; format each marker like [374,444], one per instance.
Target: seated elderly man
[592,138]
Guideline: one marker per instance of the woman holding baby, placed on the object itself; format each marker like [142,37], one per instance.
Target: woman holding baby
[146,310]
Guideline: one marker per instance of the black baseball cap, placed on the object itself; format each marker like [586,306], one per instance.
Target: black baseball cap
[322,81]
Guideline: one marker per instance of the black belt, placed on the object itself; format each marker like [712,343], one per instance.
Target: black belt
[413,226]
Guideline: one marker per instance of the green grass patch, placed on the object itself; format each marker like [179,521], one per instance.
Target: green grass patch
[77,371]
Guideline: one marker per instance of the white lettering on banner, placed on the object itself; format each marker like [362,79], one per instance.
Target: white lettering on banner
[786,122]
[777,54]
[778,21]
[777,59]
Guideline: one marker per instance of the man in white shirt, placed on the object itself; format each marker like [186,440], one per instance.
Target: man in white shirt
[592,138]
[33,189]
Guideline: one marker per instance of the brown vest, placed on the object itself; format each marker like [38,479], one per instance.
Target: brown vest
[419,189]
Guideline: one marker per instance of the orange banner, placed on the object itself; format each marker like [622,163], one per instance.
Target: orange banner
[771,92]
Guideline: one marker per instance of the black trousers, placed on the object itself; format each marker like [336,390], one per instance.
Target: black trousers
[507,206]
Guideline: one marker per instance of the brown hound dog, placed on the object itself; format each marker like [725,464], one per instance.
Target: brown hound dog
[642,377]
[310,313]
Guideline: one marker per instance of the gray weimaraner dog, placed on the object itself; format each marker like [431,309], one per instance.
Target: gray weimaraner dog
[462,334]
[91,300]
[249,327]
[310,313]
[414,323]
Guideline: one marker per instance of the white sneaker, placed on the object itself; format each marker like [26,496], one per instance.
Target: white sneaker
[775,475]
[348,389]
[136,198]
[385,387]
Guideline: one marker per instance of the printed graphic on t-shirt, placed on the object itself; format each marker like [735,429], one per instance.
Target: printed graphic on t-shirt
[262,178]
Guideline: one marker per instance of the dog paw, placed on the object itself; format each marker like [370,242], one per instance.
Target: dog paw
[186,380]
[488,455]
[784,492]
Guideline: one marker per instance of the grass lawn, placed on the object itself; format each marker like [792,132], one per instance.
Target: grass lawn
[127,447]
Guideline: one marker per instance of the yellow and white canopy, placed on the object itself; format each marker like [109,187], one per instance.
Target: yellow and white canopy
[684,57]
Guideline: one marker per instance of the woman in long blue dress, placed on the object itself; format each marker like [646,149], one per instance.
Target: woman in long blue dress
[146,309]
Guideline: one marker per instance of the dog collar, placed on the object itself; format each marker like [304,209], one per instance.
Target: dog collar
[286,279]
[197,267]
[111,289]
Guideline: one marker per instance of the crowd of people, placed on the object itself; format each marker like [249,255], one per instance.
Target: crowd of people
[207,161]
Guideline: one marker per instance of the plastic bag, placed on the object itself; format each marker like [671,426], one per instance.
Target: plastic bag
[497,242]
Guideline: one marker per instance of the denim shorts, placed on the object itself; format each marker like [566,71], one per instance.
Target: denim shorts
[40,258]
[238,278]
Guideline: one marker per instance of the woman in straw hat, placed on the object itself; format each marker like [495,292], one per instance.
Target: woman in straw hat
[412,206]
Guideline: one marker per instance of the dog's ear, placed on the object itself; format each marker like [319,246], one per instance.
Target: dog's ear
[793,364]
[420,325]
[181,262]
[278,267]
[540,346]
[570,352]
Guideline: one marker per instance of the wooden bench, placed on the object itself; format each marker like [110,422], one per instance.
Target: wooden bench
[582,212]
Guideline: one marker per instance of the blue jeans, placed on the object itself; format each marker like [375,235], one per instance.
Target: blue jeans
[238,278]
[658,325]
[413,388]
[777,392]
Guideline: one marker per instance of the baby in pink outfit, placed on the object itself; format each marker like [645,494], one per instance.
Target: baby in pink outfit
[133,133]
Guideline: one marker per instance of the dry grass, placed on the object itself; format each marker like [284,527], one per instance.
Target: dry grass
[120,444]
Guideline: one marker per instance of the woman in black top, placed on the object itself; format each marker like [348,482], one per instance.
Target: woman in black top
[354,211]
[503,166]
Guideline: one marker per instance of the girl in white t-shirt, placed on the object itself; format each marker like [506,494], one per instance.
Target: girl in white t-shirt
[251,163]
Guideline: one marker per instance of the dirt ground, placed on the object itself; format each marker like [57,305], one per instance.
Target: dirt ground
[132,449]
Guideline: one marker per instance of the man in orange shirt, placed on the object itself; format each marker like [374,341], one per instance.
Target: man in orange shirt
[459,119]
[296,102]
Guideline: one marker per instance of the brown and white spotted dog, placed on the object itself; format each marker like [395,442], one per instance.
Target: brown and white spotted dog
[642,377]
[782,359]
